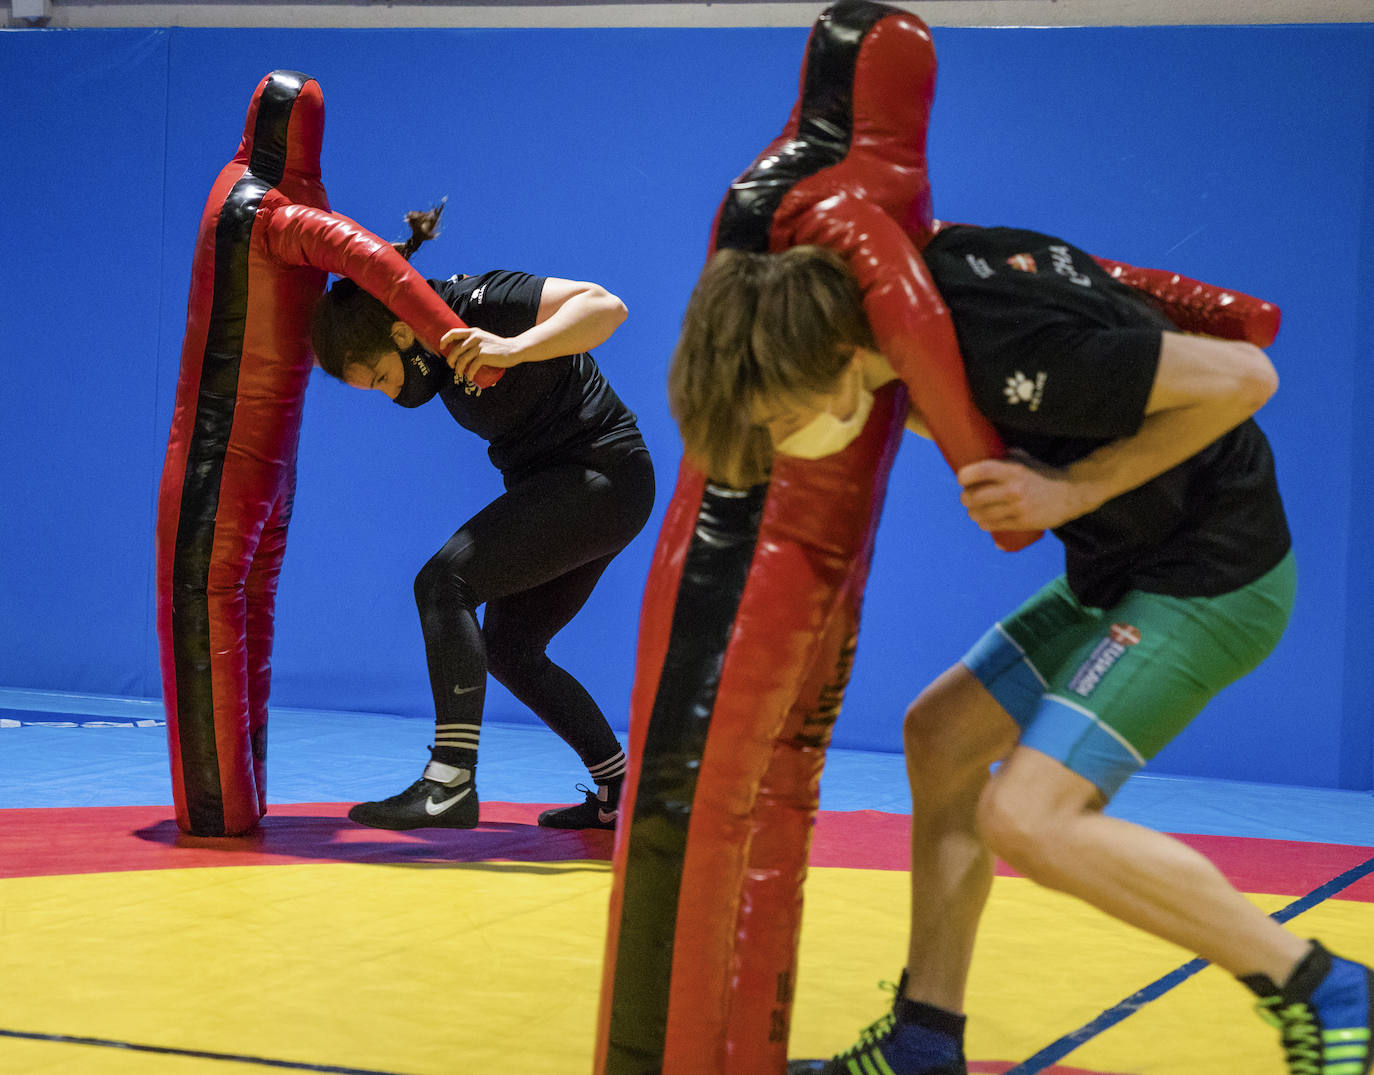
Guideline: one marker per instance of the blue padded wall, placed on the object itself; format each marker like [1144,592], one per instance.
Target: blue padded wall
[81,265]
[1239,155]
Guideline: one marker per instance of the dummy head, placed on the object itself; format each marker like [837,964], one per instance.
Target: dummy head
[282,135]
[768,342]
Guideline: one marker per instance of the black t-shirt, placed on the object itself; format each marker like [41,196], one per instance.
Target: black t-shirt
[1061,359]
[538,412]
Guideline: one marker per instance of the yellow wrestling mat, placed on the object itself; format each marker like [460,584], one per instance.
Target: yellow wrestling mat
[424,968]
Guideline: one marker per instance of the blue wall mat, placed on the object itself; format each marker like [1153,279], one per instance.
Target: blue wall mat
[1359,668]
[1222,153]
[1240,155]
[81,235]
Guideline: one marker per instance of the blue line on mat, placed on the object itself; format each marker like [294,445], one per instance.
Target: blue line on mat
[198,1053]
[1056,1051]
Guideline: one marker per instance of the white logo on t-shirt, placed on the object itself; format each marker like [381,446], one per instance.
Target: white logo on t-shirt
[1064,266]
[979,266]
[1021,389]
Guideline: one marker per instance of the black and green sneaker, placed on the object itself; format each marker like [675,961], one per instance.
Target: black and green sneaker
[911,1039]
[1323,1014]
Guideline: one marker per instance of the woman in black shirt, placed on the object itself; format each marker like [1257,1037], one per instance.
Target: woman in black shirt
[579,486]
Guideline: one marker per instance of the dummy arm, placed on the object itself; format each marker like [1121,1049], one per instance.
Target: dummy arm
[911,325]
[1203,308]
[1194,306]
[301,235]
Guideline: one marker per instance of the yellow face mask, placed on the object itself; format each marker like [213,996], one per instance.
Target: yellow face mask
[826,433]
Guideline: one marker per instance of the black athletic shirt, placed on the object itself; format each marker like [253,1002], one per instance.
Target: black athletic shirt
[1061,359]
[539,412]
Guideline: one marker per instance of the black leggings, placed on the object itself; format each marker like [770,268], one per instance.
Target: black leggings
[533,556]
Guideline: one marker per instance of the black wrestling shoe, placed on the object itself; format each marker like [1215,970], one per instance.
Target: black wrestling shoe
[597,812]
[444,798]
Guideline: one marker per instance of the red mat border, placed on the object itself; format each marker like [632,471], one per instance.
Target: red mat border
[85,840]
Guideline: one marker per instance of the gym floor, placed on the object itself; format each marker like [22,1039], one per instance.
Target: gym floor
[317,945]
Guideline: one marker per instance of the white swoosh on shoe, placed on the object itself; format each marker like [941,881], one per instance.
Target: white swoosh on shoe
[434,809]
[606,817]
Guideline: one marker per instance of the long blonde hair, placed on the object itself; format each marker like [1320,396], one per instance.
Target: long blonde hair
[759,328]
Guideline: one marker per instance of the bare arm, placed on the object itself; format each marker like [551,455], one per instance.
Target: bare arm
[1203,388]
[573,316]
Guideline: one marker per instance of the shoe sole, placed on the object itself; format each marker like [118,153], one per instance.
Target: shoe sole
[575,828]
[437,823]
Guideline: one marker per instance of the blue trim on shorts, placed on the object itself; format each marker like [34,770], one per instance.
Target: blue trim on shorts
[1068,733]
[1074,736]
[1003,668]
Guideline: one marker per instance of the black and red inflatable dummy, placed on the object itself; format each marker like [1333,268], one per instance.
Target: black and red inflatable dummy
[751,611]
[747,634]
[263,253]
[848,172]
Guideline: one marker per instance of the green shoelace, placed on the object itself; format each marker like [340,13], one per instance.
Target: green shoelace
[1297,1025]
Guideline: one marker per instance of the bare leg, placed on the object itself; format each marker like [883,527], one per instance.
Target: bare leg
[1046,823]
[953,732]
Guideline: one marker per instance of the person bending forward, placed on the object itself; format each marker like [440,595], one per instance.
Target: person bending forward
[579,486]
[1135,444]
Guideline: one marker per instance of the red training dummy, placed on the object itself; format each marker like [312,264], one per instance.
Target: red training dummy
[266,244]
[746,637]
[752,606]
[751,610]
[848,172]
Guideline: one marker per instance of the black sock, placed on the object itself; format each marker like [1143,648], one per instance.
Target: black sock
[610,776]
[1305,977]
[929,1017]
[612,768]
[456,756]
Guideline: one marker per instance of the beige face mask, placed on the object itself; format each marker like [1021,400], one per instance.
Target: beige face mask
[825,434]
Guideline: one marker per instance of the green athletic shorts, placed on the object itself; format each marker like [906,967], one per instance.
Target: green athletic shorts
[1103,690]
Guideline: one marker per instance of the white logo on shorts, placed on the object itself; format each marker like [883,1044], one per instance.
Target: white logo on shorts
[1120,637]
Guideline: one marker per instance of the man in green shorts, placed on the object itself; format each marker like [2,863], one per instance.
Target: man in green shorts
[1135,444]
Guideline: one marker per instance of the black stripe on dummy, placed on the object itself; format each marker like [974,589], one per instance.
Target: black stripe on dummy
[214,419]
[825,127]
[205,453]
[268,158]
[714,572]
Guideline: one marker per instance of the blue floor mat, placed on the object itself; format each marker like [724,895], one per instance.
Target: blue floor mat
[73,750]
